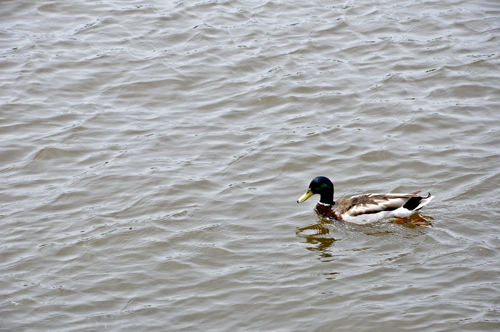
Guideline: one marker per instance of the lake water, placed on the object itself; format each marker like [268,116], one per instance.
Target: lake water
[152,153]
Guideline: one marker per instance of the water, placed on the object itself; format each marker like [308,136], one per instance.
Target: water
[152,154]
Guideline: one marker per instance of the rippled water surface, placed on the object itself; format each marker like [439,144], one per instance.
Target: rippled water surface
[152,154]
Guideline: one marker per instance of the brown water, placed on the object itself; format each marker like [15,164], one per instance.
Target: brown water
[152,154]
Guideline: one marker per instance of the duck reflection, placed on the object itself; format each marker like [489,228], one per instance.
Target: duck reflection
[319,238]
[322,236]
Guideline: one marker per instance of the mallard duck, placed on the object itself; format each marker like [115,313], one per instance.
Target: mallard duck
[362,209]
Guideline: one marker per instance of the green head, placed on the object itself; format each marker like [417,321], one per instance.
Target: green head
[322,186]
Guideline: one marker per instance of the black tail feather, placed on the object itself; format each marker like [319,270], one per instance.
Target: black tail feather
[412,203]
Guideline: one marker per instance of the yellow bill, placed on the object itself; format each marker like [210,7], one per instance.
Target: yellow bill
[304,197]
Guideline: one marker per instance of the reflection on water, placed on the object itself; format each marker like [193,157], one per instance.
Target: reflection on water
[319,238]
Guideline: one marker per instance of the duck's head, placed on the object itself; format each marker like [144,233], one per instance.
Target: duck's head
[320,185]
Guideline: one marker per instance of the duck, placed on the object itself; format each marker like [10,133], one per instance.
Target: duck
[365,208]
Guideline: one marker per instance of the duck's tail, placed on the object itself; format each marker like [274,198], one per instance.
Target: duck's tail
[424,202]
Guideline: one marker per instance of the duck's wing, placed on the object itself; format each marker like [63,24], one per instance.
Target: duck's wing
[373,203]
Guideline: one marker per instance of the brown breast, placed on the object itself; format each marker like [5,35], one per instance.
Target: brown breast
[327,212]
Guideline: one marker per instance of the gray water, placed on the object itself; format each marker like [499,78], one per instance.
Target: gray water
[152,154]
